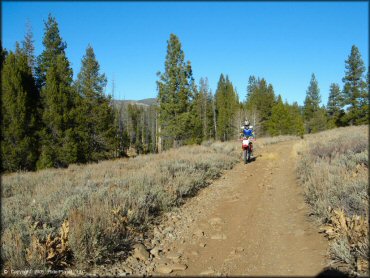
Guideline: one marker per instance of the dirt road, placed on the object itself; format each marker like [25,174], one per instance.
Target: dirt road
[252,221]
[258,225]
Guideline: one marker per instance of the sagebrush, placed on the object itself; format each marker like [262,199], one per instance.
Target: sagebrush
[104,205]
[333,170]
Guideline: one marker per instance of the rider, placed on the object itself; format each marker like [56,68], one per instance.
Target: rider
[244,129]
[248,132]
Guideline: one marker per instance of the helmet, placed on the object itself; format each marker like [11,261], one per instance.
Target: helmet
[246,123]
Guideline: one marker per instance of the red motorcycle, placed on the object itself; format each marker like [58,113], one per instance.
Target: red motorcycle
[247,147]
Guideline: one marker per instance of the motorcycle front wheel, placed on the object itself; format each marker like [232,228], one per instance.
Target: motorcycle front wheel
[245,156]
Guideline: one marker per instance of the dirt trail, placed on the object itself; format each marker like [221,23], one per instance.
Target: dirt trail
[251,221]
[255,223]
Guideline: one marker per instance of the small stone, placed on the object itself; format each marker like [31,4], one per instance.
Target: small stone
[199,233]
[140,252]
[219,236]
[178,267]
[155,242]
[168,230]
[194,253]
[156,232]
[162,260]
[239,249]
[163,269]
[207,272]
[215,221]
[126,270]
[202,244]
[173,256]
[155,251]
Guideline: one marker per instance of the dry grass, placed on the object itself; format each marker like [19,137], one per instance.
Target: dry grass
[277,139]
[90,214]
[333,170]
[105,206]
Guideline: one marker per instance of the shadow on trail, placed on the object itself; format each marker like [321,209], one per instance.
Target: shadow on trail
[254,158]
[331,273]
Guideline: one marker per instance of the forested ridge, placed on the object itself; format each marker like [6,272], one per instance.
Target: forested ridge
[50,120]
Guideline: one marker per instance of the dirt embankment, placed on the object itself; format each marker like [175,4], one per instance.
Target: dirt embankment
[252,221]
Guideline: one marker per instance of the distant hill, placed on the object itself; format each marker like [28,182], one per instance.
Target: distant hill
[143,102]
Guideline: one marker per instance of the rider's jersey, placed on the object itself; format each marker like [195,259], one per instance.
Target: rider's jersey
[248,132]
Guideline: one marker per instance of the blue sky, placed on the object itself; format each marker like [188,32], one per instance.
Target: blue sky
[284,42]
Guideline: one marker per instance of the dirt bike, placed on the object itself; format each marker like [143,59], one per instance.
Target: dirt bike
[247,147]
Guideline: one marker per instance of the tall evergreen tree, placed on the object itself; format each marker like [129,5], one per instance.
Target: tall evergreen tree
[197,116]
[227,104]
[3,55]
[252,86]
[355,91]
[312,105]
[285,119]
[297,122]
[29,48]
[334,107]
[313,98]
[54,46]
[259,102]
[175,92]
[95,114]
[19,120]
[60,143]
[279,121]
[319,121]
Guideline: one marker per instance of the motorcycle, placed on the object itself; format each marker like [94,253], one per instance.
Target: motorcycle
[247,147]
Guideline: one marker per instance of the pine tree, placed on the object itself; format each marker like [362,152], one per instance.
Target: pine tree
[197,116]
[259,102]
[279,119]
[364,102]
[3,55]
[285,119]
[95,114]
[227,104]
[204,92]
[60,142]
[29,48]
[334,107]
[313,98]
[211,132]
[175,92]
[54,46]
[311,103]
[19,120]
[252,86]
[297,122]
[355,89]
[319,121]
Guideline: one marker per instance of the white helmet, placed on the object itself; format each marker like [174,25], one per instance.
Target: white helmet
[246,123]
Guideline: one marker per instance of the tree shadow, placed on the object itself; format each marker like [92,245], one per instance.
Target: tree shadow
[331,273]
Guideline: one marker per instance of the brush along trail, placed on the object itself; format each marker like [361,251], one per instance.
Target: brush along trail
[251,221]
